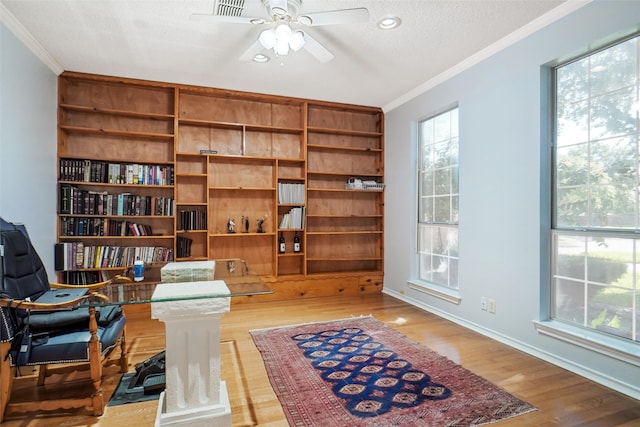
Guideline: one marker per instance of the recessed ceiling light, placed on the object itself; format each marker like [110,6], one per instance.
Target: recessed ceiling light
[261,57]
[389,23]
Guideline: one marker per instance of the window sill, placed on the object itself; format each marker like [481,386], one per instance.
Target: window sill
[443,293]
[609,346]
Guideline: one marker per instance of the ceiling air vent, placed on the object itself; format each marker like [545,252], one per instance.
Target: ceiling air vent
[229,7]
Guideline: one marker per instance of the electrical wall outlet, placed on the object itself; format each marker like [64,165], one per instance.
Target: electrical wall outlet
[483,303]
[492,306]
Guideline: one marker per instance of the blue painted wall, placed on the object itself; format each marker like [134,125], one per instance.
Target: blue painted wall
[28,104]
[503,195]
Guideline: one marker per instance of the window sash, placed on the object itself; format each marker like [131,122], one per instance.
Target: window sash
[595,187]
[438,199]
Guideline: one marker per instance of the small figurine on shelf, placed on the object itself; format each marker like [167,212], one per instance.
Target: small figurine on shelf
[260,223]
[245,223]
[231,226]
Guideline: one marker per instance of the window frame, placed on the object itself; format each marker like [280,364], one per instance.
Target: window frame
[444,291]
[588,230]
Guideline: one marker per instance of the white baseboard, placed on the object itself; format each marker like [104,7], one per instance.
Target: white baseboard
[569,365]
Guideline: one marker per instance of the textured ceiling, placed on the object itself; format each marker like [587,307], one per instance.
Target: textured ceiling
[157,40]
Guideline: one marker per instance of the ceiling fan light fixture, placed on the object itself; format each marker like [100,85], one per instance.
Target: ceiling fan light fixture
[281,48]
[268,38]
[283,32]
[297,40]
[282,39]
[389,23]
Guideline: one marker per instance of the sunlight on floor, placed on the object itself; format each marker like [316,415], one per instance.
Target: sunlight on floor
[399,321]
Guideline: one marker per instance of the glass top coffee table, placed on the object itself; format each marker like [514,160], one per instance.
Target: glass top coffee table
[236,274]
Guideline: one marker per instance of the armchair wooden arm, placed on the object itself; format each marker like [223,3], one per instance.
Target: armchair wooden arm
[92,286]
[35,306]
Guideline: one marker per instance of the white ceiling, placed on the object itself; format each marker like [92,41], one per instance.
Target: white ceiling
[157,40]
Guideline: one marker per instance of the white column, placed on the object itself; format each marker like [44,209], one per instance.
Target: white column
[194,394]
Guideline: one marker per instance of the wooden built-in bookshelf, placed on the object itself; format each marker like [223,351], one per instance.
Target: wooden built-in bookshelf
[228,156]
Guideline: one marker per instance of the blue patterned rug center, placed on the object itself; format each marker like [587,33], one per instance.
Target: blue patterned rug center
[369,377]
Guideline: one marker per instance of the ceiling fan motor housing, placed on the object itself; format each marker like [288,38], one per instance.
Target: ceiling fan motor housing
[282,9]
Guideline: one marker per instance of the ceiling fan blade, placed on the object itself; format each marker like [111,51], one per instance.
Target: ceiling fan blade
[225,19]
[334,17]
[314,47]
[254,49]
[279,7]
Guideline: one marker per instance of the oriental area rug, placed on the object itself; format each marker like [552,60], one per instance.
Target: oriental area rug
[361,372]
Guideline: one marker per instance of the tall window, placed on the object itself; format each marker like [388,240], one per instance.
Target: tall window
[438,199]
[596,216]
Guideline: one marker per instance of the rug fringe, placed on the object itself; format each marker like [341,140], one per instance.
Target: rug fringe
[524,411]
[362,316]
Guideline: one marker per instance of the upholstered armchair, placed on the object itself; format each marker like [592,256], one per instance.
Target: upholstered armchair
[43,324]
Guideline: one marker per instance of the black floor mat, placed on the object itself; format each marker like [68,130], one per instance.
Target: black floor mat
[124,395]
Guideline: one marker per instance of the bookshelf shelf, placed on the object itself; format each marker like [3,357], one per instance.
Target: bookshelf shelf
[344,174]
[116,186]
[97,238]
[338,148]
[240,235]
[342,190]
[346,132]
[345,216]
[243,188]
[115,132]
[344,259]
[343,232]
[115,112]
[132,217]
[239,126]
[196,175]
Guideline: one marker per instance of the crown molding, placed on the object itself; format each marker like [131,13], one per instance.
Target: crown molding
[12,23]
[537,24]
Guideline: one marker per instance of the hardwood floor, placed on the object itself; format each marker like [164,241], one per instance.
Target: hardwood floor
[563,398]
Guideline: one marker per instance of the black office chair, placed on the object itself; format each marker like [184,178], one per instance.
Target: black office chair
[44,323]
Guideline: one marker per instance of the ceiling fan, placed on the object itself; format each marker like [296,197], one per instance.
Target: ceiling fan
[284,24]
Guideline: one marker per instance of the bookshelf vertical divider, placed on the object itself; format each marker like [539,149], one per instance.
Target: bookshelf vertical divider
[236,171]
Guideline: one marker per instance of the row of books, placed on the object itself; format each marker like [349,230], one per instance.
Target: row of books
[192,220]
[84,277]
[115,173]
[79,226]
[183,247]
[294,219]
[76,255]
[76,201]
[290,194]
